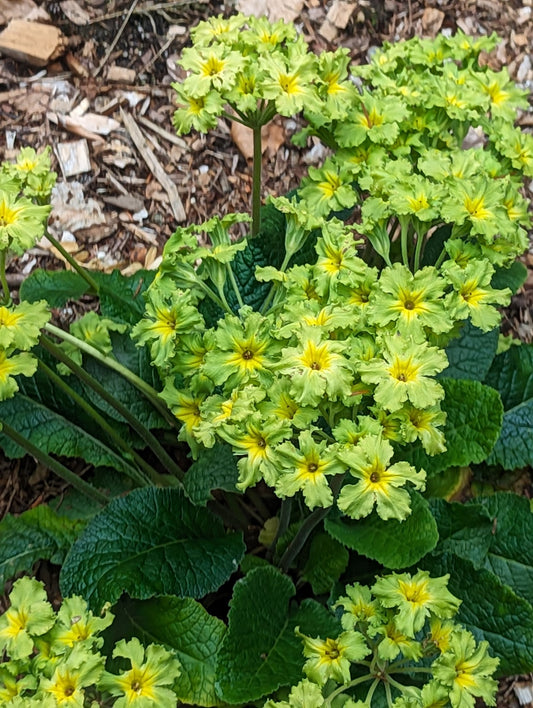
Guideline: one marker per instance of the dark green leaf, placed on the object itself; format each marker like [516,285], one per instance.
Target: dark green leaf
[121,297]
[325,564]
[53,433]
[471,353]
[512,375]
[464,529]
[474,415]
[215,468]
[184,626]
[435,244]
[57,287]
[37,534]
[152,542]
[513,277]
[394,544]
[260,651]
[490,610]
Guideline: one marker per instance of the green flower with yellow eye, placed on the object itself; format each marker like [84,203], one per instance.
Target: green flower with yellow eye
[316,367]
[505,98]
[416,598]
[305,694]
[473,296]
[328,189]
[423,424]
[219,29]
[289,80]
[71,676]
[198,112]
[75,625]
[149,680]
[516,145]
[466,669]
[405,372]
[336,90]
[20,325]
[264,36]
[166,318]
[375,118]
[305,468]
[332,658]
[337,258]
[213,69]
[358,607]
[477,203]
[379,484]
[12,365]
[244,351]
[394,642]
[30,615]
[411,302]
[22,223]
[281,405]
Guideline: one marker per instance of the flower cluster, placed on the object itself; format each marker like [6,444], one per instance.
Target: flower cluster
[255,69]
[56,660]
[399,634]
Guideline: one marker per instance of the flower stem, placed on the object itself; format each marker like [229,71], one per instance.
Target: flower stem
[3,280]
[54,465]
[256,180]
[142,479]
[72,261]
[346,687]
[234,285]
[139,428]
[147,390]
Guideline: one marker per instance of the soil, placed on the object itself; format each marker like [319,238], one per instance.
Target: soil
[119,56]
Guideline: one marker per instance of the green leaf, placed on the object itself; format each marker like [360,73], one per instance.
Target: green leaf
[57,287]
[184,626]
[53,433]
[490,610]
[512,375]
[121,297]
[394,544]
[37,534]
[152,542]
[435,244]
[471,353]
[260,651]
[325,564]
[474,415]
[215,468]
[513,277]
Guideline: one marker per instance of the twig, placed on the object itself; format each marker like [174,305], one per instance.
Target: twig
[143,10]
[154,165]
[165,46]
[163,133]
[117,37]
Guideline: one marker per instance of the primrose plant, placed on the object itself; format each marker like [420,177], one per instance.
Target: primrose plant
[326,375]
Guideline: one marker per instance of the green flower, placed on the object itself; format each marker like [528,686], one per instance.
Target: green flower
[30,615]
[328,189]
[394,642]
[12,365]
[76,624]
[218,29]
[375,118]
[198,112]
[405,373]
[358,607]
[466,670]
[474,297]
[379,484]
[331,658]
[316,367]
[14,681]
[306,694]
[21,222]
[504,96]
[148,683]
[422,424]
[244,351]
[265,36]
[281,405]
[166,319]
[416,597]
[20,325]
[477,203]
[516,145]
[71,676]
[412,302]
[306,469]
[214,69]
[289,80]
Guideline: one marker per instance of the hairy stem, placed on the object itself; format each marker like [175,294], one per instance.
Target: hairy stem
[256,181]
[3,280]
[139,428]
[54,465]
[142,479]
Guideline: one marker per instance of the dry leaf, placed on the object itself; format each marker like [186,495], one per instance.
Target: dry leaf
[15,10]
[274,9]
[340,12]
[75,13]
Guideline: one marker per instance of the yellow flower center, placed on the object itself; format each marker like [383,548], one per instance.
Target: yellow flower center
[289,84]
[316,358]
[196,105]
[404,370]
[497,95]
[330,185]
[418,203]
[8,215]
[471,293]
[371,119]
[213,66]
[475,206]
[464,676]
[415,592]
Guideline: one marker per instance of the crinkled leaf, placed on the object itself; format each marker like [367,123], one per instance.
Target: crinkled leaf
[394,544]
[53,433]
[464,529]
[326,562]
[215,468]
[184,626]
[474,415]
[513,277]
[490,610]
[57,287]
[260,651]
[512,375]
[471,353]
[151,542]
[121,297]
[36,534]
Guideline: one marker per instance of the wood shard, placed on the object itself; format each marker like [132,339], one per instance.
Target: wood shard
[340,12]
[32,42]
[154,166]
[10,10]
[73,157]
[121,75]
